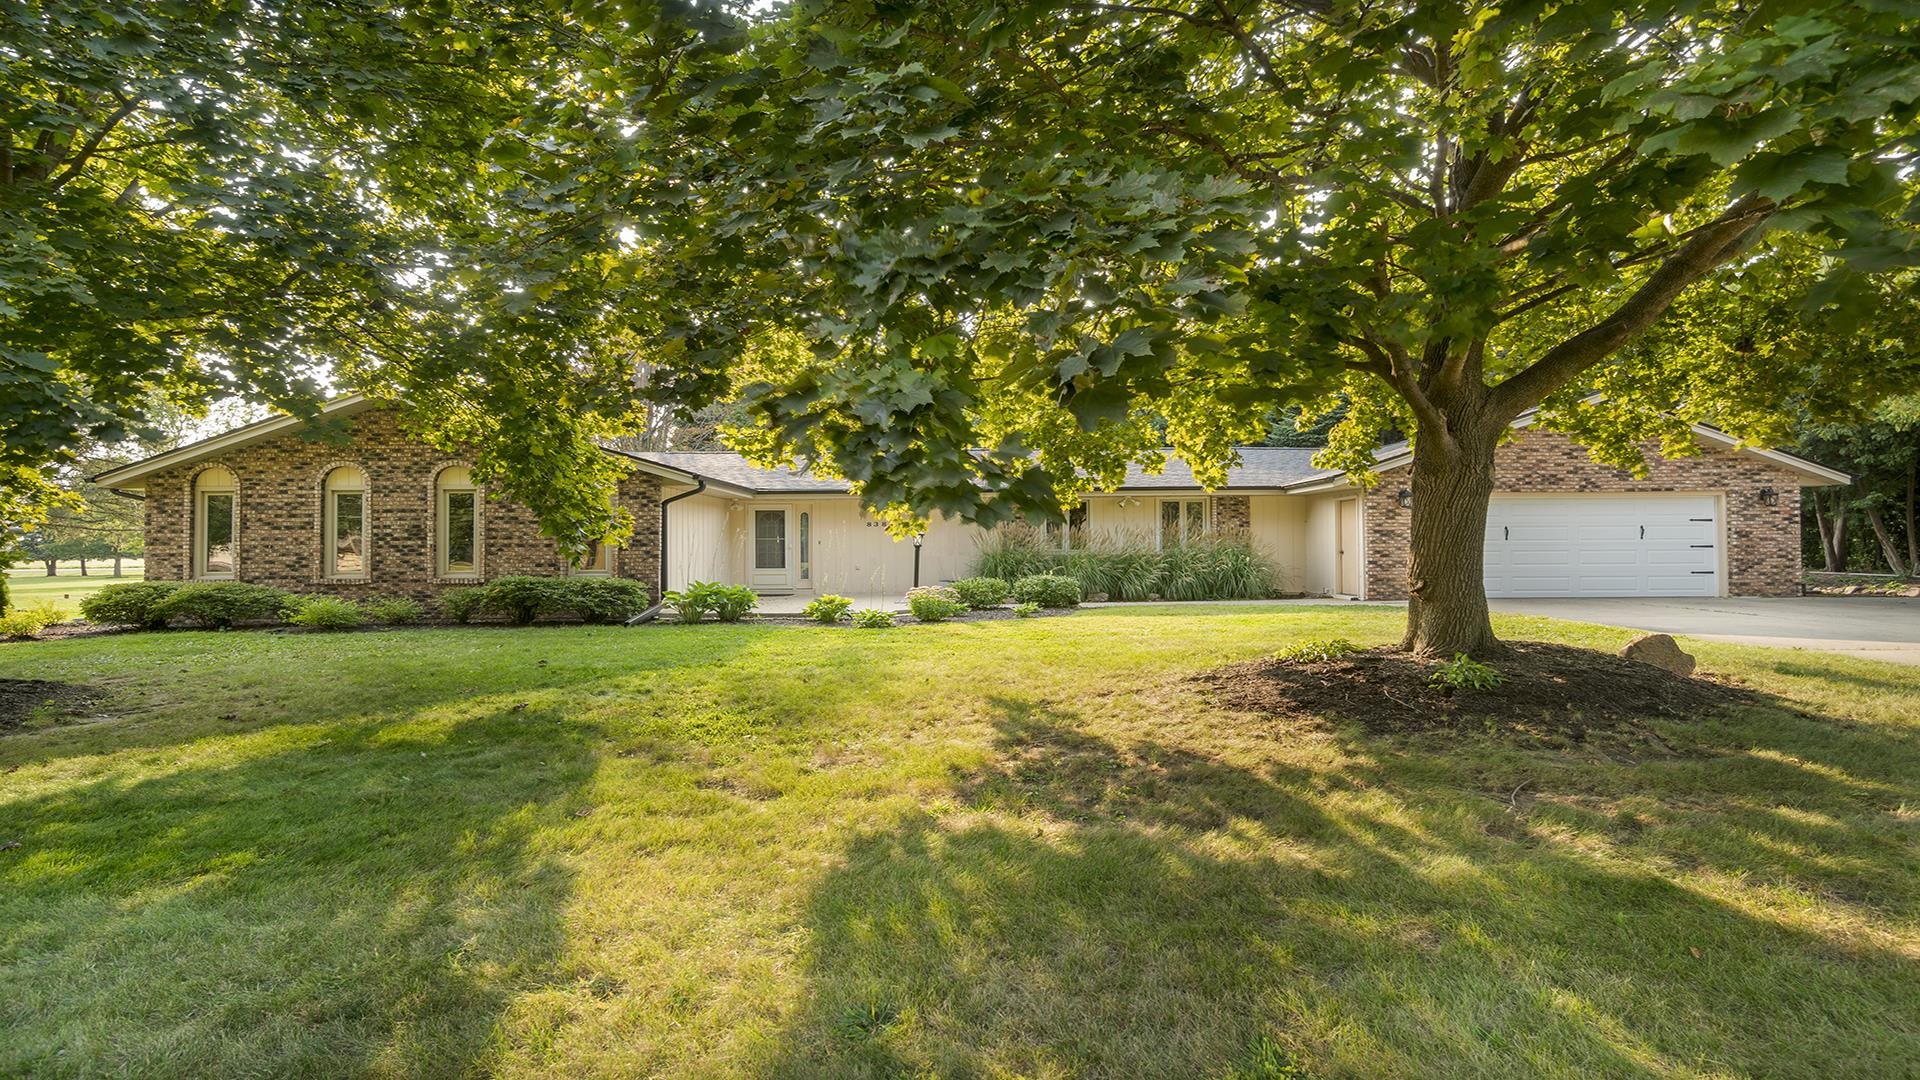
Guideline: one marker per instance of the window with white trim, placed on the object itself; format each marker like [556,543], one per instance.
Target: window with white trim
[344,534]
[598,560]
[456,524]
[1073,533]
[806,545]
[215,547]
[1182,521]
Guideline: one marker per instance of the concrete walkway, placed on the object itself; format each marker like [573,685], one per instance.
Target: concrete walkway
[1875,627]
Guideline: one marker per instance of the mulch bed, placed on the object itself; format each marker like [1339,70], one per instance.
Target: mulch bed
[1548,689]
[20,699]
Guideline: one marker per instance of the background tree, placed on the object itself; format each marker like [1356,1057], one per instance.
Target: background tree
[1882,453]
[1056,230]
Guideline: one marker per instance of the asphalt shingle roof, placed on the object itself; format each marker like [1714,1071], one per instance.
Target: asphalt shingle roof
[1260,467]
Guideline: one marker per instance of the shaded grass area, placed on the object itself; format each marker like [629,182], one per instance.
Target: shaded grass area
[1006,848]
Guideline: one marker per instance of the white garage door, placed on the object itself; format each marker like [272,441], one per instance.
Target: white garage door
[1603,545]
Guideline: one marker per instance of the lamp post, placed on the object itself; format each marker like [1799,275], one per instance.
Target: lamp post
[916,558]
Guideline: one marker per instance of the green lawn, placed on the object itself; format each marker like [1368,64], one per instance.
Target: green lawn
[28,583]
[1022,848]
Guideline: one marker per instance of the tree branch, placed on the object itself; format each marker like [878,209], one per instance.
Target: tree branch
[73,167]
[1709,247]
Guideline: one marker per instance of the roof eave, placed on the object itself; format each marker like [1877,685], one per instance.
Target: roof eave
[132,476]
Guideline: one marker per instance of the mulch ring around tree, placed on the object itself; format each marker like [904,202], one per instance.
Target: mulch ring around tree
[35,701]
[1546,689]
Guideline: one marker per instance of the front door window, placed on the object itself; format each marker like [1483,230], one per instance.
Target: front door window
[769,539]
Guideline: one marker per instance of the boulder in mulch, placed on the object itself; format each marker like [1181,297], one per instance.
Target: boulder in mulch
[1661,651]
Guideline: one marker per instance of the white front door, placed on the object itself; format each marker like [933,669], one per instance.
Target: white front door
[1603,545]
[1347,535]
[772,551]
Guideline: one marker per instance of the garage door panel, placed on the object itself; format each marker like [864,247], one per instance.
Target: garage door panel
[1608,534]
[1603,545]
[1609,556]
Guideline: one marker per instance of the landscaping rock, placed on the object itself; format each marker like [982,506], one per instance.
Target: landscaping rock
[1660,651]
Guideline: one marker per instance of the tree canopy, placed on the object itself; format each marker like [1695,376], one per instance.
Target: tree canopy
[1068,233]
[1057,230]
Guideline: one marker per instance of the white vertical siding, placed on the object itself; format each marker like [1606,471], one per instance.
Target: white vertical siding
[699,541]
[1278,526]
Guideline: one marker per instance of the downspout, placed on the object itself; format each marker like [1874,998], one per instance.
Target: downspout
[700,485]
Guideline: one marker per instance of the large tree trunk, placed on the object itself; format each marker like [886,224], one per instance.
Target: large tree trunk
[1888,549]
[53,567]
[1446,582]
[116,564]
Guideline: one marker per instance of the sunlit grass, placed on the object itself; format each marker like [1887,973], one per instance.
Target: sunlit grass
[28,583]
[1011,848]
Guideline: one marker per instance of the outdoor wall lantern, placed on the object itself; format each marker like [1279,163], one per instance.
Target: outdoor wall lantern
[1769,497]
[1405,499]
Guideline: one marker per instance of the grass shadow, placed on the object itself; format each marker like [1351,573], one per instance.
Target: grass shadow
[365,903]
[1103,907]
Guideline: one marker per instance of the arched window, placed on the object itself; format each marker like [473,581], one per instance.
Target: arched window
[345,532]
[456,523]
[214,547]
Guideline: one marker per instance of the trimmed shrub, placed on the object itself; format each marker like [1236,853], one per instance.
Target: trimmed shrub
[326,613]
[522,598]
[604,600]
[872,618]
[461,605]
[220,604]
[131,604]
[828,609]
[981,593]
[29,619]
[1027,610]
[395,610]
[934,603]
[1047,590]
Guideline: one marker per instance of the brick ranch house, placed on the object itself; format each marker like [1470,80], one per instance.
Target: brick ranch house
[378,513]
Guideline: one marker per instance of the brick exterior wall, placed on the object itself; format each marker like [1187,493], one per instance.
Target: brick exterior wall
[1763,542]
[278,515]
[1232,514]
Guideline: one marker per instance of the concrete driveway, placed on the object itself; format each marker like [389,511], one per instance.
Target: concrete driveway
[1876,627]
